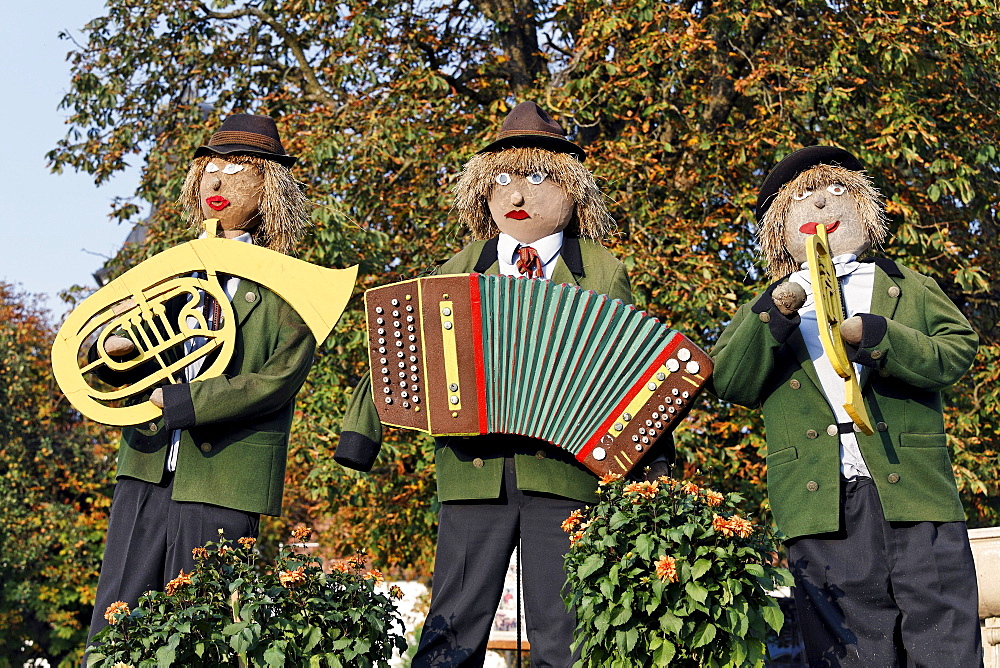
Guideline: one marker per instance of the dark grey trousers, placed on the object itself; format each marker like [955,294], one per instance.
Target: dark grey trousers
[878,593]
[150,538]
[475,541]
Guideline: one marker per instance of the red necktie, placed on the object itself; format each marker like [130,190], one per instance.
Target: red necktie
[528,262]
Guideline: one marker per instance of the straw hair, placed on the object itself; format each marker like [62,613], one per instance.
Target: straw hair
[771,234]
[590,218]
[284,208]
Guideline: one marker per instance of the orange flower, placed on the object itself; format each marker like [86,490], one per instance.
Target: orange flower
[575,537]
[713,498]
[247,541]
[292,579]
[573,521]
[741,527]
[223,550]
[721,525]
[666,569]
[643,490]
[609,478]
[395,592]
[199,553]
[376,575]
[122,665]
[116,611]
[356,561]
[340,567]
[301,533]
[667,481]
[182,579]
[690,488]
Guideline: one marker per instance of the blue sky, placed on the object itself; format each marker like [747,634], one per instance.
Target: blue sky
[54,229]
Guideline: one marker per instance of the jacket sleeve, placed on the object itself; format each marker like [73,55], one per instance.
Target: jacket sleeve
[228,398]
[361,432]
[931,352]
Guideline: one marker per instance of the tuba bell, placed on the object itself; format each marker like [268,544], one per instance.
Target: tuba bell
[134,305]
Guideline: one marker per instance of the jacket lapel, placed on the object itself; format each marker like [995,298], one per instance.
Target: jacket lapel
[245,299]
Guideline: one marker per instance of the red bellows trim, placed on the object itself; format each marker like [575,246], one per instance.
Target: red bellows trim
[475,301]
[528,262]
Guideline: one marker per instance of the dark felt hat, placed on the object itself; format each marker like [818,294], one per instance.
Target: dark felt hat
[249,135]
[527,124]
[796,163]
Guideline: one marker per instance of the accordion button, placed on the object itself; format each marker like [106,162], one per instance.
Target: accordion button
[658,424]
[540,454]
[649,423]
[409,308]
[599,454]
[638,448]
[651,386]
[673,365]
[381,342]
[416,399]
[453,399]
[692,367]
[388,400]
[447,324]
[627,417]
[398,335]
[413,337]
[671,410]
[406,404]
[380,321]
[397,324]
[453,387]
[413,348]
[642,430]
[386,390]
[413,368]
[661,376]
[679,401]
[645,439]
[395,302]
[400,354]
[415,388]
[381,331]
[411,328]
[478,462]
[405,395]
[378,309]
[652,432]
[656,416]
[635,439]
[399,344]
[675,392]
[685,395]
[381,349]
[395,314]
[619,426]
[414,378]
[385,379]
[402,365]
[446,311]
[409,318]
[684,354]
[662,408]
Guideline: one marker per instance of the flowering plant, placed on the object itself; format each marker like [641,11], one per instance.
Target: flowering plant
[230,612]
[667,573]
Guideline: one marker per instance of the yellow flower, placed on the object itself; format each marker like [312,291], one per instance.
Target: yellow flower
[291,579]
[609,478]
[395,592]
[666,569]
[247,541]
[181,580]
[571,522]
[116,611]
[301,533]
[122,665]
[712,498]
[376,575]
[199,553]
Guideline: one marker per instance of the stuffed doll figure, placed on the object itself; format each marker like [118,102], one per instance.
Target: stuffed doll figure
[534,211]
[876,534]
[216,458]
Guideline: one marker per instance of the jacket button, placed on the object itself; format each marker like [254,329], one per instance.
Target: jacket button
[251,297]
[794,384]
[893,478]
[894,291]
[832,430]
[152,427]
[540,454]
[205,447]
[876,354]
[478,462]
[812,485]
[765,317]
[881,426]
[812,433]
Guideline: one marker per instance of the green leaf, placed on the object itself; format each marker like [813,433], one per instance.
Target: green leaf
[773,615]
[664,654]
[696,591]
[700,567]
[592,564]
[704,635]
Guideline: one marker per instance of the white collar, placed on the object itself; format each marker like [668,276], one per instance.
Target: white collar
[546,247]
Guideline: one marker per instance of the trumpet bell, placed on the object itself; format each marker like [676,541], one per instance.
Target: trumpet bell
[135,303]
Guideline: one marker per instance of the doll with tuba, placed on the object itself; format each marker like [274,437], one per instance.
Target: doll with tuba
[215,459]
[876,534]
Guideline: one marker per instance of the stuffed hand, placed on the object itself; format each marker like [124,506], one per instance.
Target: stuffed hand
[157,397]
[851,330]
[789,298]
[118,346]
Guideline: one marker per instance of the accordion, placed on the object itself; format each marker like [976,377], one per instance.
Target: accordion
[469,354]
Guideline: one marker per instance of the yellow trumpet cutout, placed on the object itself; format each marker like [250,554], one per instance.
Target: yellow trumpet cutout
[829,315]
[134,304]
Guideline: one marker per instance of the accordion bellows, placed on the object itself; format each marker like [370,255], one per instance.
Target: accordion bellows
[469,354]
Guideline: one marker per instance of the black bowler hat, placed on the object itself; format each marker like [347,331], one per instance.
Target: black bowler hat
[798,162]
[249,135]
[526,125]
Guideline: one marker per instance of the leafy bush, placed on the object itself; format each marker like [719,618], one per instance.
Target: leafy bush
[229,612]
[666,572]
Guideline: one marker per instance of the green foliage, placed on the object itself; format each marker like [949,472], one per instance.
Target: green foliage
[667,573]
[55,485]
[232,611]
[682,108]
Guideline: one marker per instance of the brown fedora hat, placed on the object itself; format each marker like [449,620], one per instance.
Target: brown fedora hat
[250,135]
[797,162]
[526,125]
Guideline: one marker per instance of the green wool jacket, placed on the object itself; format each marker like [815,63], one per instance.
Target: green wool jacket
[234,427]
[915,343]
[472,467]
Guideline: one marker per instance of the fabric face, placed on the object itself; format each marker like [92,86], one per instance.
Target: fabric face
[231,192]
[530,207]
[833,207]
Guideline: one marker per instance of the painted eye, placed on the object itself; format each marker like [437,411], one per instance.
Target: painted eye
[798,197]
[232,168]
[503,178]
[836,189]
[536,178]
[211,167]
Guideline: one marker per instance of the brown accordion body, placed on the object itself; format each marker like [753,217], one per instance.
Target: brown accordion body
[468,354]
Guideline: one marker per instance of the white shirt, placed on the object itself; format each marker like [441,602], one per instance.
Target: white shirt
[192,370]
[547,248]
[857,281]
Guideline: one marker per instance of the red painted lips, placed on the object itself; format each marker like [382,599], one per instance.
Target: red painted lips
[217,202]
[810,228]
[517,214]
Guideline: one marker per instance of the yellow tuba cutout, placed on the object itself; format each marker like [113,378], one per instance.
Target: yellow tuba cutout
[139,296]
